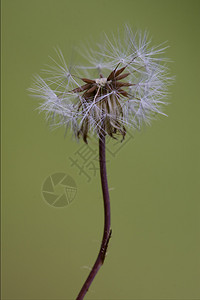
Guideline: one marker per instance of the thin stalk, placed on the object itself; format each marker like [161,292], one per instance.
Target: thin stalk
[107,231]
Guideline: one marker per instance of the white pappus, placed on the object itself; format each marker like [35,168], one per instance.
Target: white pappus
[123,85]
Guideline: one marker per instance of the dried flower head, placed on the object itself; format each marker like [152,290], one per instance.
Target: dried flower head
[122,85]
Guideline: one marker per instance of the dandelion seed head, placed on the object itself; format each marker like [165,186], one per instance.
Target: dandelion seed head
[123,85]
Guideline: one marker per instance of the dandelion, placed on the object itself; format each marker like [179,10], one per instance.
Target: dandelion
[121,86]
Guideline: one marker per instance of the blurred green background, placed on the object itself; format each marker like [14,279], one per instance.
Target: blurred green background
[154,252]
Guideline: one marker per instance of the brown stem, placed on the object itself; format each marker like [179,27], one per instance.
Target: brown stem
[107,231]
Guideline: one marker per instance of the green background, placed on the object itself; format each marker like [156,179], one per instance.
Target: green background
[154,250]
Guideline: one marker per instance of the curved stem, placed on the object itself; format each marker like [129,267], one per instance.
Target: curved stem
[107,231]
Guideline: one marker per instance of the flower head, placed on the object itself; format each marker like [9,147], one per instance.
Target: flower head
[122,85]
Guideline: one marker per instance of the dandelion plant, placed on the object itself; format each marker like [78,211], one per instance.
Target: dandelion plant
[121,86]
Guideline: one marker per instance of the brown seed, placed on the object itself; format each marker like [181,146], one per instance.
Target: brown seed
[123,93]
[92,89]
[120,84]
[122,76]
[112,74]
[120,71]
[88,80]
[81,88]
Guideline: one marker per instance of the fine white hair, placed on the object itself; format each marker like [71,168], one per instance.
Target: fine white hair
[148,79]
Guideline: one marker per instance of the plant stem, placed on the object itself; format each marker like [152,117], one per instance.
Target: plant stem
[107,231]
